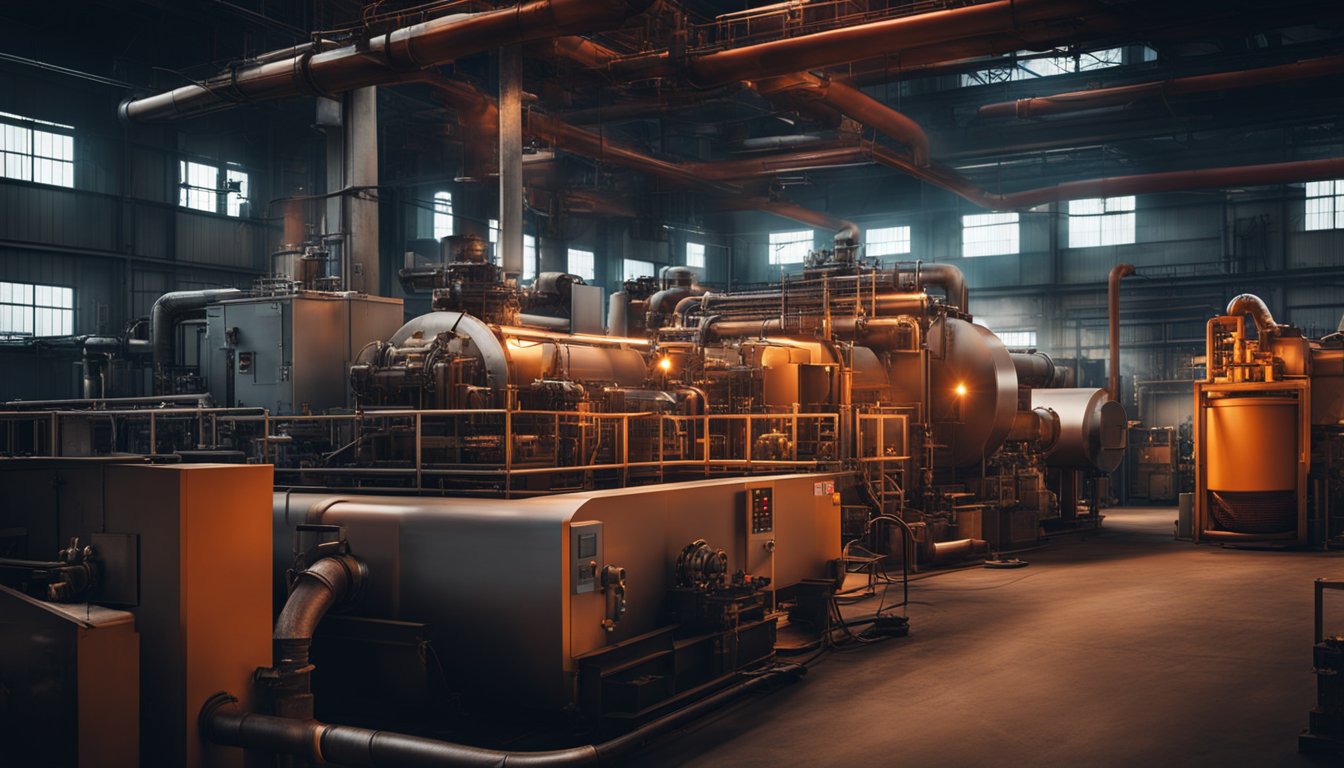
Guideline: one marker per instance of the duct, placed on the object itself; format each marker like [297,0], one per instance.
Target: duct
[1250,304]
[1118,273]
[168,311]
[854,104]
[386,57]
[222,722]
[583,51]
[874,40]
[1078,101]
[947,277]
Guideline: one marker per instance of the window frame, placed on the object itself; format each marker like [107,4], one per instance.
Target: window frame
[1332,191]
[695,260]
[12,126]
[193,193]
[902,244]
[778,246]
[641,263]
[590,256]
[441,215]
[986,222]
[1081,224]
[33,305]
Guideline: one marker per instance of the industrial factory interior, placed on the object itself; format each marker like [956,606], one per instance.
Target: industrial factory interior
[434,383]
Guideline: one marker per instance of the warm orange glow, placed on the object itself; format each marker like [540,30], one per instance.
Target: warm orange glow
[665,363]
[961,390]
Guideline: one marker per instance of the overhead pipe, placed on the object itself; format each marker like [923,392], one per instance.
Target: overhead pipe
[222,722]
[852,103]
[169,310]
[1078,101]
[387,57]
[1118,273]
[1250,304]
[875,39]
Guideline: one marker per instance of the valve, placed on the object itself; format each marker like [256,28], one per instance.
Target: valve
[613,586]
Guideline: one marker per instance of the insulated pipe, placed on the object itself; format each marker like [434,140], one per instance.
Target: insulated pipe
[1078,101]
[1034,369]
[171,309]
[1118,273]
[1250,304]
[947,277]
[387,57]
[222,722]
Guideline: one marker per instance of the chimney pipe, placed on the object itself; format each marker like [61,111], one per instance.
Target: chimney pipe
[1118,273]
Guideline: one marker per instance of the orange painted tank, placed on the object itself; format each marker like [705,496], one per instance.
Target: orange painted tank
[1251,444]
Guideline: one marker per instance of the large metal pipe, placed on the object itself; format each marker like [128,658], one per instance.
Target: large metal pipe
[1118,273]
[1078,101]
[875,39]
[387,57]
[325,584]
[947,277]
[1036,369]
[222,722]
[1250,304]
[854,104]
[171,309]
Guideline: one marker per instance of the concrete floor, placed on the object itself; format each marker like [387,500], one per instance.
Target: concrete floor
[1125,649]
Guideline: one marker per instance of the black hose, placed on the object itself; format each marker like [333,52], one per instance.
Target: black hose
[222,722]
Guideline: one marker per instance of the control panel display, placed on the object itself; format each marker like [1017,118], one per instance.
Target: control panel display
[585,556]
[762,511]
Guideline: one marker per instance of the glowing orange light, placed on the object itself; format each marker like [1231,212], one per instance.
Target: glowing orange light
[961,390]
[665,363]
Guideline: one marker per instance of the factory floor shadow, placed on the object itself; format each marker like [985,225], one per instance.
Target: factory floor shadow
[1126,648]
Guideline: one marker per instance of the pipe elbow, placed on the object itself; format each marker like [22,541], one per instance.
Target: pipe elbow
[1250,304]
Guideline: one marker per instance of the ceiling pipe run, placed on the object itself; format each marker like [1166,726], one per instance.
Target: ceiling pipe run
[875,39]
[386,57]
[1079,101]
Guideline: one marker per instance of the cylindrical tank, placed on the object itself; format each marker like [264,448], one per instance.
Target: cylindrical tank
[1092,428]
[1250,444]
[974,391]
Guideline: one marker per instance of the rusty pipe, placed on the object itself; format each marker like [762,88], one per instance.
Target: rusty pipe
[1118,273]
[1078,101]
[387,57]
[1250,304]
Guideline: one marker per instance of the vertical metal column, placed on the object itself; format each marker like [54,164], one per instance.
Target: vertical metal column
[361,206]
[511,160]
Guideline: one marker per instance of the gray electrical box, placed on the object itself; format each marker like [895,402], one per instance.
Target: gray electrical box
[291,352]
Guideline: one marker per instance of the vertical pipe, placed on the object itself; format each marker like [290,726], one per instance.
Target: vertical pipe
[1118,273]
[511,160]
[361,207]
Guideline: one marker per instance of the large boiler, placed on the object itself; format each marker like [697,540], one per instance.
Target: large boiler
[1267,431]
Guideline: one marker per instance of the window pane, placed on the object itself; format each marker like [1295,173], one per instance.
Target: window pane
[790,247]
[18,167]
[494,230]
[529,257]
[634,268]
[1101,221]
[443,214]
[695,255]
[885,241]
[234,200]
[202,184]
[989,234]
[581,263]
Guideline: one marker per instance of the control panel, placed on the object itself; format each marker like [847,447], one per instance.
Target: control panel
[585,556]
[761,513]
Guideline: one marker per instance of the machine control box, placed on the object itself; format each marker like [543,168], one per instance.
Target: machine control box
[585,556]
[761,515]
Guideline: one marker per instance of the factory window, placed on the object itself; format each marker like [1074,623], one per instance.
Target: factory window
[989,234]
[443,214]
[1026,65]
[36,310]
[199,188]
[1325,205]
[35,150]
[634,268]
[1018,339]
[790,247]
[582,263]
[886,241]
[1101,221]
[695,255]
[529,257]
